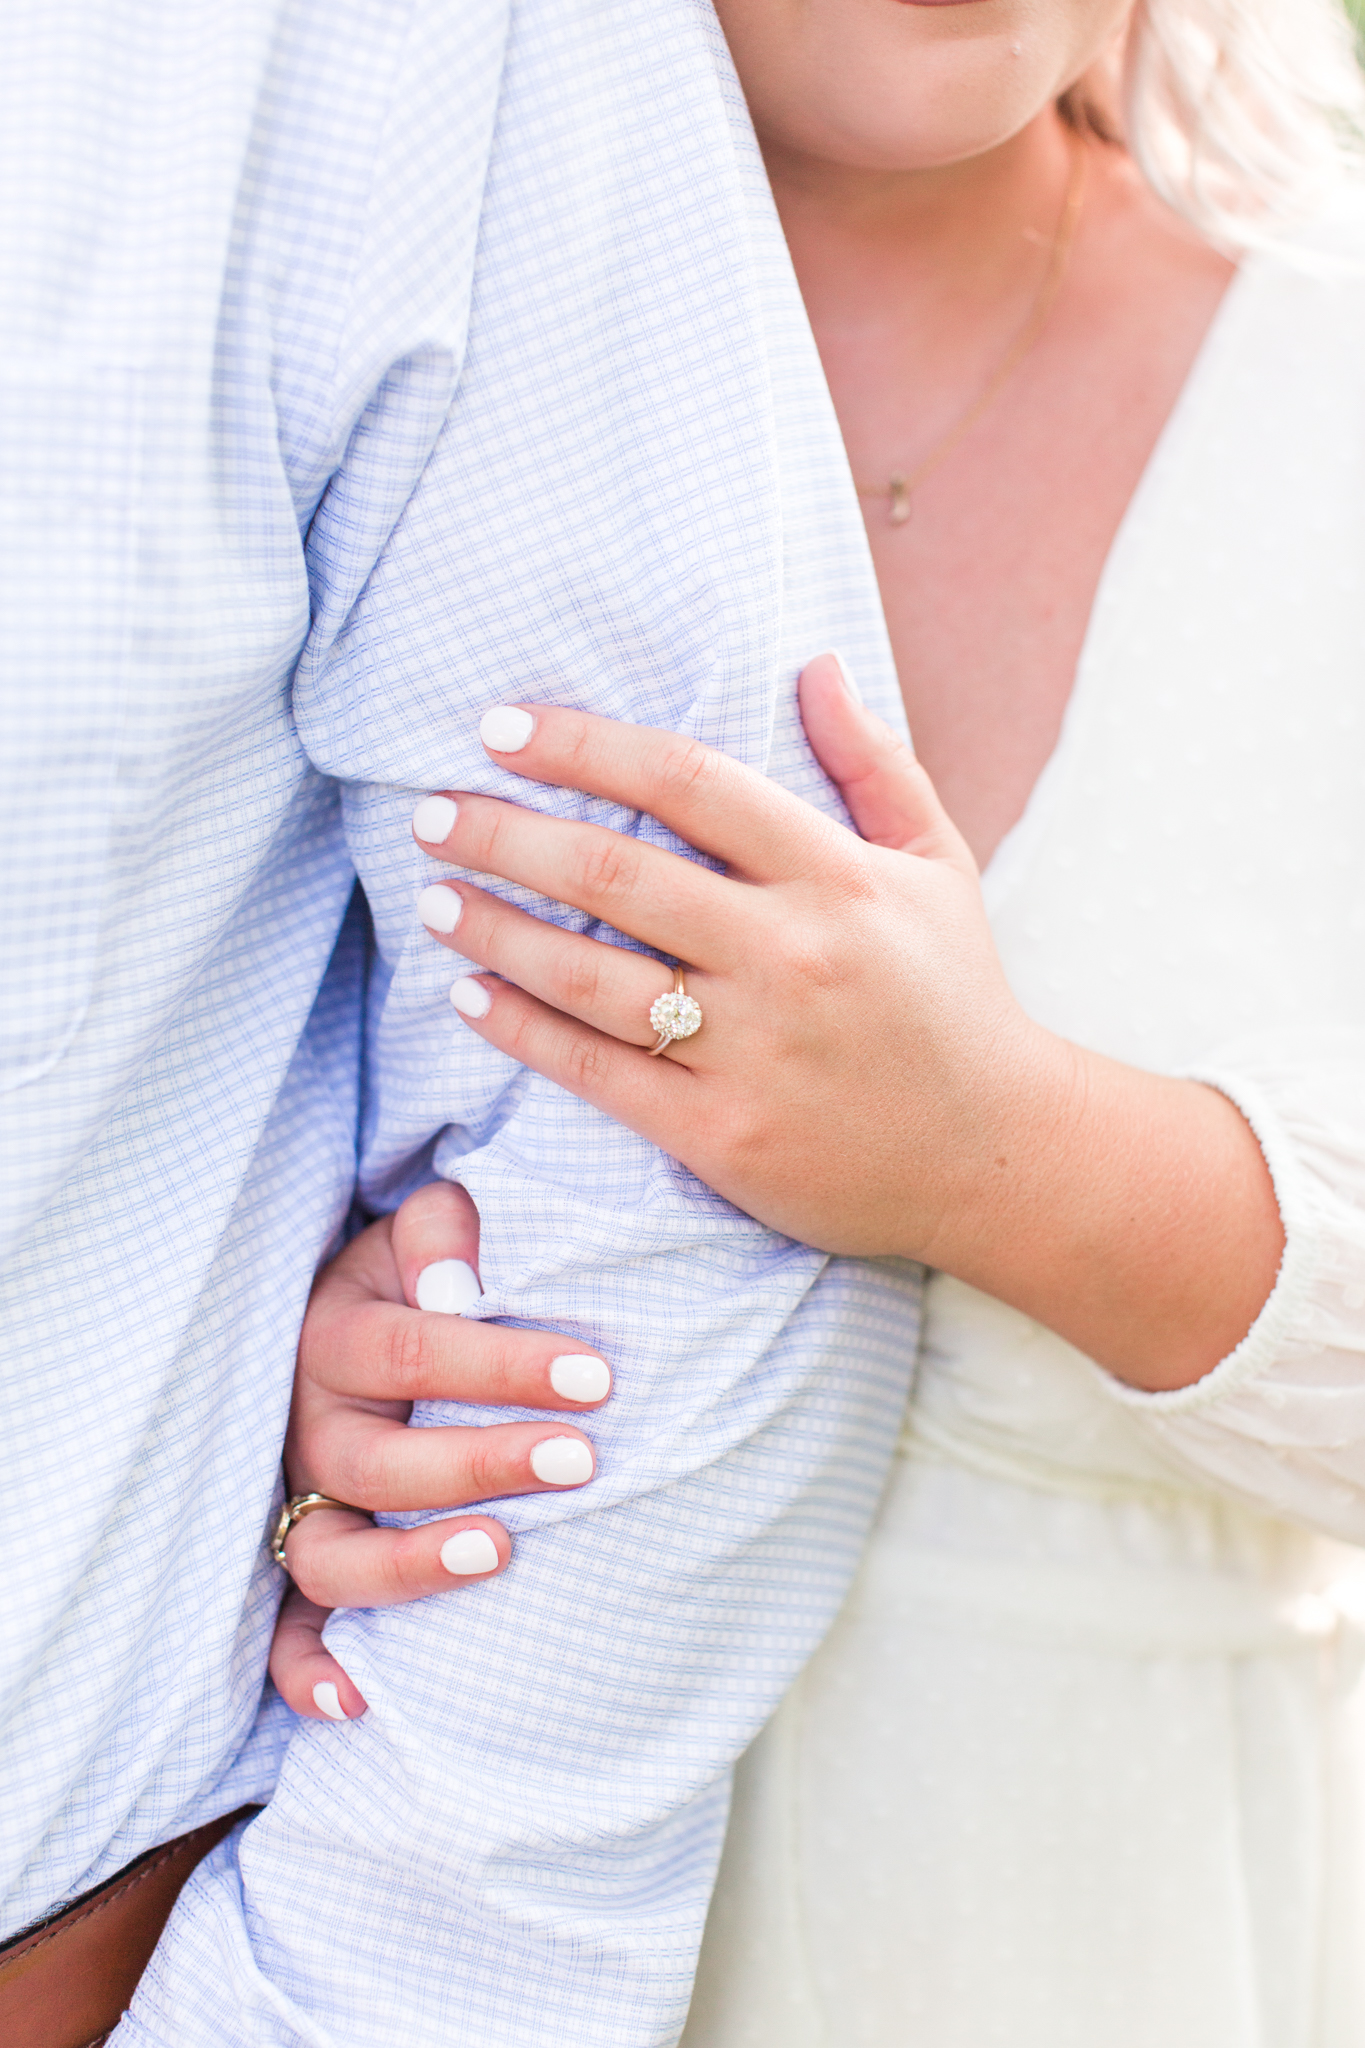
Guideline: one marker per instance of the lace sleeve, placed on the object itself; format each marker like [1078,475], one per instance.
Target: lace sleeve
[1281,1420]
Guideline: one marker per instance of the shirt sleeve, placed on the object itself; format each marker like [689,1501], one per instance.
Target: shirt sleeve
[1280,1422]
[516,1843]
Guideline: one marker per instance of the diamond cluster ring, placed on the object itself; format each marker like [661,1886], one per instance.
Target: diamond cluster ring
[674,1014]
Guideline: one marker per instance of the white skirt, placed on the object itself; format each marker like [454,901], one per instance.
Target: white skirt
[1070,1771]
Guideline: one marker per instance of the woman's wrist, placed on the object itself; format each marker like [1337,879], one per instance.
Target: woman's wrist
[1020,1107]
[1131,1213]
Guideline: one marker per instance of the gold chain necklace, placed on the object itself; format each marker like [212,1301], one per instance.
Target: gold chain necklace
[899,487]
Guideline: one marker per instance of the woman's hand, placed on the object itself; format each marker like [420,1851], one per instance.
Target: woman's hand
[861,1057]
[383,1330]
[863,1079]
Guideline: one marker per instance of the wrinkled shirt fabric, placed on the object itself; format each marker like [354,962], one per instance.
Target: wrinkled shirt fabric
[325,571]
[234,274]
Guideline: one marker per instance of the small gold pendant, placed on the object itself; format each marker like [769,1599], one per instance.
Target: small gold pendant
[900,500]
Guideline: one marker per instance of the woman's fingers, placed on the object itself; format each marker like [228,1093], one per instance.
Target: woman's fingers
[342,1560]
[890,798]
[660,898]
[337,1559]
[376,1462]
[383,1352]
[713,802]
[348,1438]
[365,1357]
[307,1676]
[436,1248]
[655,1097]
[361,1342]
[602,985]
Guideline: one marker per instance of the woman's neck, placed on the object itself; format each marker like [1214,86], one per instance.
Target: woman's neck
[942,255]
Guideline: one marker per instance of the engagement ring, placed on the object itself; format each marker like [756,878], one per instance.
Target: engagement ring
[674,1014]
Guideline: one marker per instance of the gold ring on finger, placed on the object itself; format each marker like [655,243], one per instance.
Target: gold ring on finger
[674,1014]
[294,1510]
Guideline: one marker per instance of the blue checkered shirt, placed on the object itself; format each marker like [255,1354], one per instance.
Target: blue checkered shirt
[433,355]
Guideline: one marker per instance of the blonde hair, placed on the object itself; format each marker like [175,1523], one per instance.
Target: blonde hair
[1241,114]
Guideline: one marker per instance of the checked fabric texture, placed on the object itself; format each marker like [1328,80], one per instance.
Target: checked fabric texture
[439,354]
[639,502]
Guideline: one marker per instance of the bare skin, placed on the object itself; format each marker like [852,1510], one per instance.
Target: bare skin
[919,169]
[1011,533]
[917,274]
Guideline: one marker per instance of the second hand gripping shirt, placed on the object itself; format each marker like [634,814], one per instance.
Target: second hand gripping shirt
[640,504]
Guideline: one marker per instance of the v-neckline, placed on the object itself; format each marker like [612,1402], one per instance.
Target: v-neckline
[1014,853]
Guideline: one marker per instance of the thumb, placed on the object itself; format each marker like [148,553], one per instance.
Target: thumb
[436,1248]
[889,796]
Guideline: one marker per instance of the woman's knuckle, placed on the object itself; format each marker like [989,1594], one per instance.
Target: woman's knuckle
[362,1470]
[687,770]
[486,1466]
[405,1567]
[850,873]
[864,889]
[607,865]
[504,1375]
[806,957]
[407,1358]
[580,980]
[587,1063]
[520,1031]
[486,828]
[578,745]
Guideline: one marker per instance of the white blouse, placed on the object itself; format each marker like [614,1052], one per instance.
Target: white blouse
[1186,890]
[1079,1762]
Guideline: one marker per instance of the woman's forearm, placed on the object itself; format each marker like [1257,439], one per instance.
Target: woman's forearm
[1131,1213]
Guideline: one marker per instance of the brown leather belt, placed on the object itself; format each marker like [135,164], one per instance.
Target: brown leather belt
[67,1983]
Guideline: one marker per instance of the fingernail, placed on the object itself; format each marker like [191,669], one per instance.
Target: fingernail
[562,1461]
[434,819]
[470,997]
[506,728]
[326,1696]
[846,675]
[447,1287]
[473,1550]
[579,1379]
[440,908]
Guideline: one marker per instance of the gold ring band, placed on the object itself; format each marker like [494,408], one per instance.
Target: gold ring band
[674,1014]
[294,1510]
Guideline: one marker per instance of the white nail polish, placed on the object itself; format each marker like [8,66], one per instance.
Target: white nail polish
[439,908]
[447,1287]
[846,672]
[473,1550]
[562,1461]
[470,997]
[326,1696]
[579,1379]
[434,819]
[506,728]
